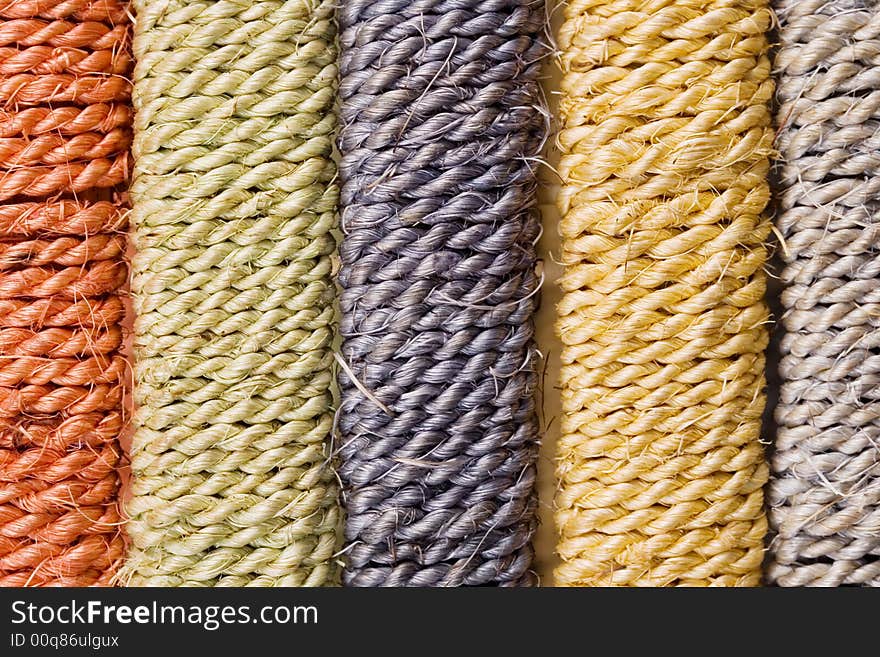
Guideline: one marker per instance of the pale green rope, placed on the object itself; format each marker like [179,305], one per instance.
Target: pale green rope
[234,201]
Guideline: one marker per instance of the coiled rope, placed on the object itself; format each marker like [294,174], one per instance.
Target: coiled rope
[824,496]
[665,142]
[64,140]
[233,207]
[441,126]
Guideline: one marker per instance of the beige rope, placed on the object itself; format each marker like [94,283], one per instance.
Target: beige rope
[234,202]
[824,495]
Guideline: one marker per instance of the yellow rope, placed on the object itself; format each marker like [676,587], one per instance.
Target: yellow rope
[665,146]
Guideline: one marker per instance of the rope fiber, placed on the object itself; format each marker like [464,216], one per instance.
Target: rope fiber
[64,140]
[442,125]
[824,496]
[234,202]
[665,146]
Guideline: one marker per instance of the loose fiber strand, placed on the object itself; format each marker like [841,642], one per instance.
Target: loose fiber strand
[824,495]
[234,202]
[441,113]
[665,143]
[63,164]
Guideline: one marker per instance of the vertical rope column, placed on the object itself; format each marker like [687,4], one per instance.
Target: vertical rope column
[442,124]
[824,496]
[665,140]
[64,140]
[233,207]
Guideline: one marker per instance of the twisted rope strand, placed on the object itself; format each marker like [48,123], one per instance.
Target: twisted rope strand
[62,217]
[665,145]
[442,123]
[111,12]
[234,204]
[824,496]
[62,265]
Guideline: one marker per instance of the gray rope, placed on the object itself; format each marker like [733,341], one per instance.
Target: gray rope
[442,120]
[825,495]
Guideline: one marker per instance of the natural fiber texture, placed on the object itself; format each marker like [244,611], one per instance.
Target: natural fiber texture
[64,139]
[442,123]
[665,144]
[824,496]
[234,202]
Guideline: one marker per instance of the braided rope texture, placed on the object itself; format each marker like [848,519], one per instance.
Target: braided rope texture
[64,140]
[824,497]
[442,122]
[665,146]
[234,202]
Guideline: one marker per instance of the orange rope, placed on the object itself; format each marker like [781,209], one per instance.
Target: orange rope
[64,138]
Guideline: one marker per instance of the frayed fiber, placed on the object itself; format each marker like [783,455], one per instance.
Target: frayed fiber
[234,202]
[64,140]
[665,144]
[824,495]
[442,126]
